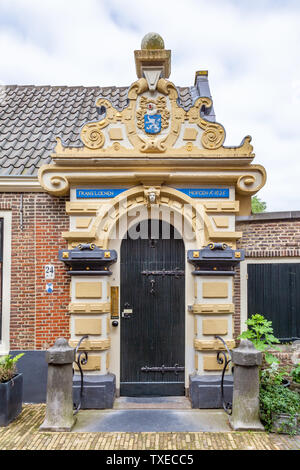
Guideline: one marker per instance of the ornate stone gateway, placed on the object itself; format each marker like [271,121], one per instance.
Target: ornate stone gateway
[156,157]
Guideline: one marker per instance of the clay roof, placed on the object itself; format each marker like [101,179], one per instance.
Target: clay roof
[32,116]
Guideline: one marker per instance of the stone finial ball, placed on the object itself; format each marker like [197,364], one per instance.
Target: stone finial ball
[152,41]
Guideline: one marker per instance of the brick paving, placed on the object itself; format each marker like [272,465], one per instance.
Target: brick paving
[24,434]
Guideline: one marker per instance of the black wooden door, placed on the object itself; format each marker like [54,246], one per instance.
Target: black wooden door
[274,292]
[153,313]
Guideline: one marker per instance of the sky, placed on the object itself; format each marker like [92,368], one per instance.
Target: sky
[249,47]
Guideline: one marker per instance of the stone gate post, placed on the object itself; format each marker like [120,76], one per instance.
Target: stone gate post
[245,403]
[59,410]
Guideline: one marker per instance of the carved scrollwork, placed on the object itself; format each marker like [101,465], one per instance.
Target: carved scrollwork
[59,185]
[111,113]
[251,183]
[167,88]
[214,133]
[92,137]
[137,88]
[213,136]
[246,145]
[194,112]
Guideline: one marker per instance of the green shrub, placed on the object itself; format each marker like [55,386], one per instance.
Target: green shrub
[260,333]
[274,400]
[296,374]
[8,368]
[274,375]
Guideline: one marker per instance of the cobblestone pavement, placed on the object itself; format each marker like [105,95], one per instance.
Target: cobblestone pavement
[24,434]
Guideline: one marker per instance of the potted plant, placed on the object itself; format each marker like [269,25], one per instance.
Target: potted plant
[279,406]
[11,389]
[295,375]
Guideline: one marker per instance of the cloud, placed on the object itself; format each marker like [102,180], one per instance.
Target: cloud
[250,49]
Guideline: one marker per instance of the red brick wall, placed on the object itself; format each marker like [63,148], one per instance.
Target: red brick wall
[270,238]
[37,318]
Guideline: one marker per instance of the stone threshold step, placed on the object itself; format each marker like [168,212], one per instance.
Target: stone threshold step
[127,403]
[152,420]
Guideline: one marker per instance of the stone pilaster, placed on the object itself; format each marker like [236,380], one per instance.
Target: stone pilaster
[245,405]
[89,310]
[213,317]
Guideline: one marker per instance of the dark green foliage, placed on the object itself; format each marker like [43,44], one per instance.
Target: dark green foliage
[275,400]
[257,205]
[296,374]
[274,375]
[260,333]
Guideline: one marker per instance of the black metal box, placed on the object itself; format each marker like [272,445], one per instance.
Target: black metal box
[87,258]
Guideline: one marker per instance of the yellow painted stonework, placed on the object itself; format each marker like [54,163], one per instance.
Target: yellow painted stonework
[88,290]
[195,326]
[213,344]
[89,308]
[195,289]
[221,222]
[210,309]
[214,327]
[190,134]
[93,364]
[216,290]
[210,363]
[84,207]
[221,206]
[88,326]
[196,361]
[92,345]
[83,222]
[116,134]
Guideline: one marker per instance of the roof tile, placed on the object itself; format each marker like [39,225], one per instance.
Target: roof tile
[32,116]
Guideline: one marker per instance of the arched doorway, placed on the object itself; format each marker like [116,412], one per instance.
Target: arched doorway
[152,310]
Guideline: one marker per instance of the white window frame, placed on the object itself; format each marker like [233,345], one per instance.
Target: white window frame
[244,280]
[6,281]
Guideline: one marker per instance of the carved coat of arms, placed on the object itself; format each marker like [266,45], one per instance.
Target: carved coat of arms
[153,115]
[152,123]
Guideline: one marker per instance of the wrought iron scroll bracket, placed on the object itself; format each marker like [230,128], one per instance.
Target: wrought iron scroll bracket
[223,358]
[81,358]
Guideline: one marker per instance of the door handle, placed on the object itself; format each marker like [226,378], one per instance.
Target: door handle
[127,311]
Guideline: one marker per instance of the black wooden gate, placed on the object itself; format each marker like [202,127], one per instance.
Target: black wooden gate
[274,292]
[153,313]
